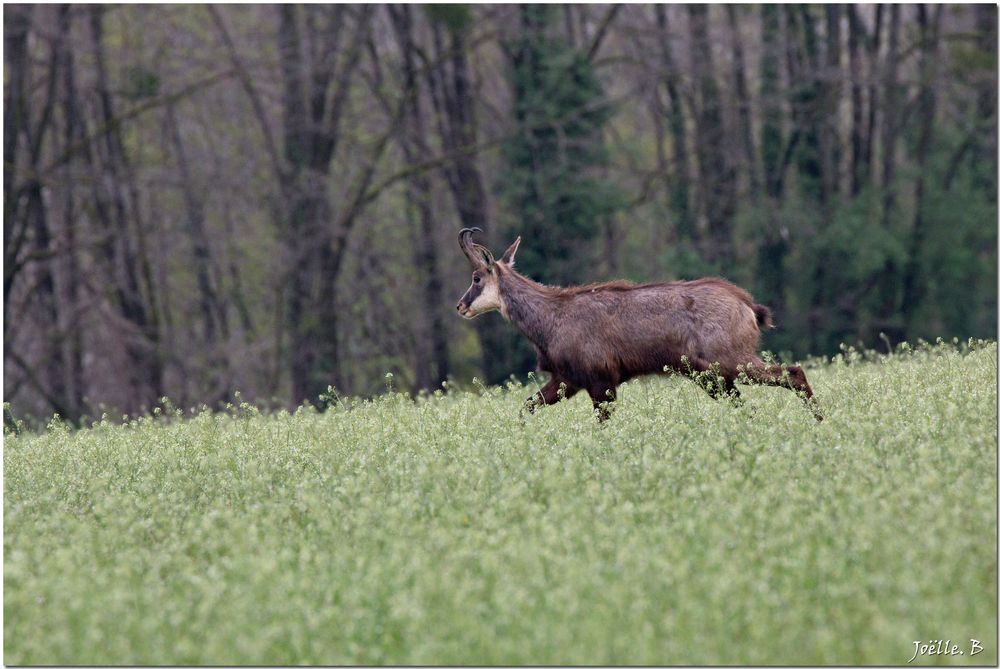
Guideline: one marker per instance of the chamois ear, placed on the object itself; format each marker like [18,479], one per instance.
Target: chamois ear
[508,255]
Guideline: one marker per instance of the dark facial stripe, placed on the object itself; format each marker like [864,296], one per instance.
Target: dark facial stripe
[471,294]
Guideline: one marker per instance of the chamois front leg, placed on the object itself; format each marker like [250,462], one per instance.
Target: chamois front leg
[603,396]
[549,394]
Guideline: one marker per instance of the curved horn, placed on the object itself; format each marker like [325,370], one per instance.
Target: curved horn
[479,256]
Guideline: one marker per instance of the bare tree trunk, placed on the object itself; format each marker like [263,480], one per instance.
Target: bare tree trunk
[856,36]
[715,173]
[454,107]
[823,119]
[317,78]
[568,12]
[803,63]
[773,247]
[300,229]
[76,387]
[743,102]
[913,281]
[986,99]
[827,116]
[457,127]
[874,44]
[432,365]
[680,176]
[984,138]
[236,292]
[28,227]
[888,280]
[890,117]
[44,296]
[17,22]
[126,260]
[213,312]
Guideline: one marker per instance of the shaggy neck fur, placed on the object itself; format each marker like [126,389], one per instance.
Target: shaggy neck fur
[529,306]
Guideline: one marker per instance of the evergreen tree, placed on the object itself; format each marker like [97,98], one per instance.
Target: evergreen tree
[552,186]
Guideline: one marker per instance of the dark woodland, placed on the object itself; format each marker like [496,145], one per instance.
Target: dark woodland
[201,200]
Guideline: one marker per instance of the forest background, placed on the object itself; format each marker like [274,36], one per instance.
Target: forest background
[207,199]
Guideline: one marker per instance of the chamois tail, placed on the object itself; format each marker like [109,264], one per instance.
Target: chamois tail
[764,320]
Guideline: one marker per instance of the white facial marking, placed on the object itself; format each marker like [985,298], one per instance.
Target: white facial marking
[487,300]
[490,298]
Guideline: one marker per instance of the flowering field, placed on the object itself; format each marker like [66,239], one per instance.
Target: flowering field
[451,530]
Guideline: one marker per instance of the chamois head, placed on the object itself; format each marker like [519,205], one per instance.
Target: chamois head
[484,293]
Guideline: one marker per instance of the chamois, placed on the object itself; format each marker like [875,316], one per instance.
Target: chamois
[597,336]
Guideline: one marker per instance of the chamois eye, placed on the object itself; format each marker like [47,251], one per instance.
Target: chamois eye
[475,279]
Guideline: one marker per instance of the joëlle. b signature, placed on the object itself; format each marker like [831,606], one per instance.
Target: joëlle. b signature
[943,647]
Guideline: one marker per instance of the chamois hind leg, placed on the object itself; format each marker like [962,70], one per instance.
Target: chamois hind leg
[603,395]
[792,377]
[549,394]
[728,390]
[714,380]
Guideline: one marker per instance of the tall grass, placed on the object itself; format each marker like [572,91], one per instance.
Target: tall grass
[450,530]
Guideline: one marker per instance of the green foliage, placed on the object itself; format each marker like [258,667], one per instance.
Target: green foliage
[448,530]
[552,187]
[555,197]
[830,262]
[11,424]
[455,17]
[141,82]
